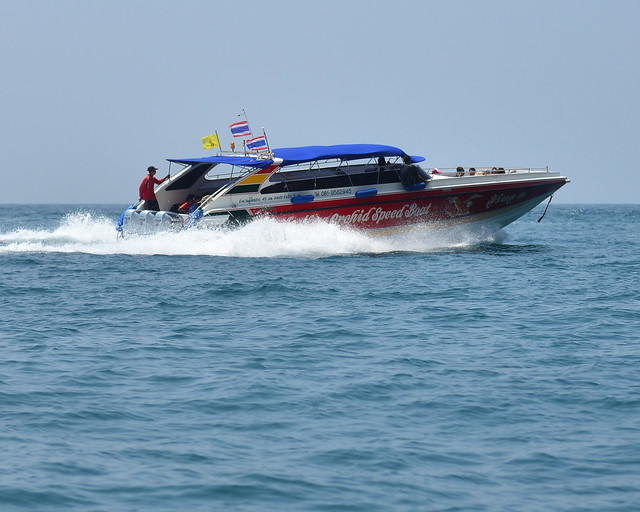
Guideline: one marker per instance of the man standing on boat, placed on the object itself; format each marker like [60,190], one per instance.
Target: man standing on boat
[147,193]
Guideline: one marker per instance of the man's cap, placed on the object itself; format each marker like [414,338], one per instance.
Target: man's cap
[151,168]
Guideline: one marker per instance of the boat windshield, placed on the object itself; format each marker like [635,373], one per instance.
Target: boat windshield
[226,171]
[202,178]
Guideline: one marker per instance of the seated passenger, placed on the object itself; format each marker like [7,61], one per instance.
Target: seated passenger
[190,205]
[408,176]
[460,171]
[411,175]
[472,171]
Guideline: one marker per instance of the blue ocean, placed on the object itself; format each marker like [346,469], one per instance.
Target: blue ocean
[310,368]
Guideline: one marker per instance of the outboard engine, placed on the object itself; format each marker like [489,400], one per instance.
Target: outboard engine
[135,221]
[167,220]
[157,221]
[124,222]
[147,219]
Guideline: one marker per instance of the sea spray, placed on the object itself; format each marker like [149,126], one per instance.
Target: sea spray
[91,233]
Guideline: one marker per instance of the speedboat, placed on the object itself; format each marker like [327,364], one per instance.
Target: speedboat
[371,187]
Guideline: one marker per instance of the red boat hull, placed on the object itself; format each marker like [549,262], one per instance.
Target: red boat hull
[463,204]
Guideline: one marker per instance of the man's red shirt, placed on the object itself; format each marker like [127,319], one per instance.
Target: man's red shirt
[146,187]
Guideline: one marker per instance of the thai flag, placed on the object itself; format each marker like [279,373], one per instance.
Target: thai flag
[257,143]
[240,129]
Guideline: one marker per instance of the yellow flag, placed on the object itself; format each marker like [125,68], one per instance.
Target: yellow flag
[211,141]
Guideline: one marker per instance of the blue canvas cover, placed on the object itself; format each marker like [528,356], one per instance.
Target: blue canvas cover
[245,161]
[292,156]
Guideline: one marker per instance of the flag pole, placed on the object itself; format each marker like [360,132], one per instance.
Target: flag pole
[266,140]
[245,118]
[244,142]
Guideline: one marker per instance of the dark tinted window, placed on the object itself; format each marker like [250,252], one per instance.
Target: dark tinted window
[187,181]
[344,176]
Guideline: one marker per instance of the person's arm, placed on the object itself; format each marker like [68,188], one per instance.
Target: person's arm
[156,181]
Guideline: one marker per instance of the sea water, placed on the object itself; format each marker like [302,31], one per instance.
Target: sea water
[307,367]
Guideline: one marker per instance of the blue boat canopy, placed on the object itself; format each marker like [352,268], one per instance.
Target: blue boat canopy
[292,156]
[245,161]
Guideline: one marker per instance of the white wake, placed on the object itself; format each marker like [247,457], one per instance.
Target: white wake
[263,238]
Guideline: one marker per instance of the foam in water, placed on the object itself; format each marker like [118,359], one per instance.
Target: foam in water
[266,238]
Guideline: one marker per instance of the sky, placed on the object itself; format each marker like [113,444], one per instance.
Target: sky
[93,92]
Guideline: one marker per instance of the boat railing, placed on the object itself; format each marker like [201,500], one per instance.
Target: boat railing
[337,165]
[482,171]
